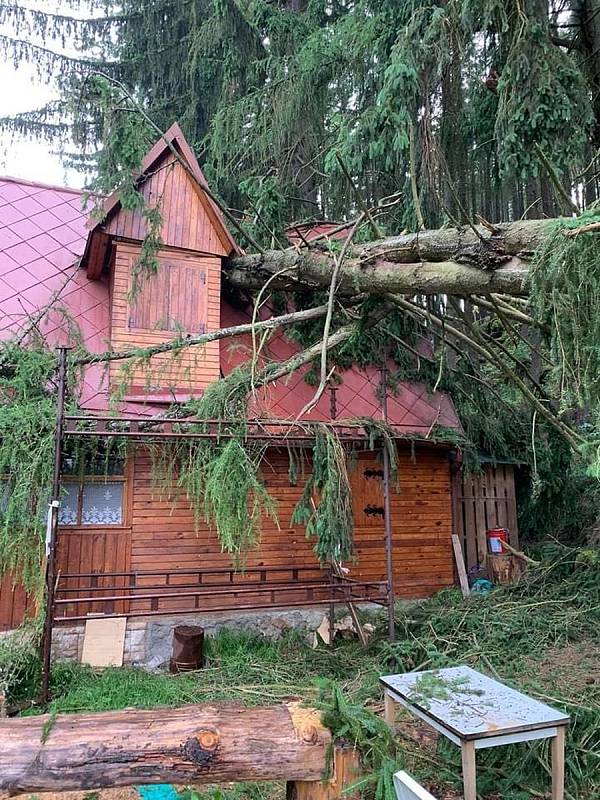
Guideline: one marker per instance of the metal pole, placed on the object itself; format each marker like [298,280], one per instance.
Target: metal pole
[52,525]
[387,516]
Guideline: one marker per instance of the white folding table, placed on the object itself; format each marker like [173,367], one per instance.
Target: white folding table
[474,712]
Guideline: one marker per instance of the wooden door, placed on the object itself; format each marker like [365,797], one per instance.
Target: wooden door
[369,522]
[90,554]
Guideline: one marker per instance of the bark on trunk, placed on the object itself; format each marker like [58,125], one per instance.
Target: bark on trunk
[445,261]
[196,744]
[309,271]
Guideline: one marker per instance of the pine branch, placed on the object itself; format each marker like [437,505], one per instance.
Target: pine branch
[571,436]
[193,341]
[559,189]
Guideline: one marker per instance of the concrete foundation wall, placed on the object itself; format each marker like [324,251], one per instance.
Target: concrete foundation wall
[148,640]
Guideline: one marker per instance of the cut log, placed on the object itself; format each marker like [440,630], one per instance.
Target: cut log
[195,744]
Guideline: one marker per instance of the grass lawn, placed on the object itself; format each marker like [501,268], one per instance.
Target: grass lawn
[542,637]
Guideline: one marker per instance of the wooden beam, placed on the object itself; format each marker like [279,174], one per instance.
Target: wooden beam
[194,744]
[460,566]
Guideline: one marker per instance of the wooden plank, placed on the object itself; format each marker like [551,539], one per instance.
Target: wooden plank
[470,524]
[103,642]
[512,519]
[480,518]
[460,566]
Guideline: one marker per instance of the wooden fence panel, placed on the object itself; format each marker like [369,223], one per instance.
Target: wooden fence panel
[483,501]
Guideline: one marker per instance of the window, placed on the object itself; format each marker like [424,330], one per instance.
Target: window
[92,491]
[175,299]
[91,503]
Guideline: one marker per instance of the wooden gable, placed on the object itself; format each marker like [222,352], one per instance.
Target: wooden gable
[187,219]
[184,296]
[170,178]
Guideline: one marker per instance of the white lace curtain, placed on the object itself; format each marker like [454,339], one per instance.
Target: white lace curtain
[101,504]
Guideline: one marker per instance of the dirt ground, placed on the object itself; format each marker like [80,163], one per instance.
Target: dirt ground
[578,664]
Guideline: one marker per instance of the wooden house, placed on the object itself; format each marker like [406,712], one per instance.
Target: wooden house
[125,549]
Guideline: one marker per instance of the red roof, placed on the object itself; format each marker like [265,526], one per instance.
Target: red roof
[411,407]
[42,238]
[300,232]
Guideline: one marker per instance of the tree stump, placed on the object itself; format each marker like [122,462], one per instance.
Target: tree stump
[346,771]
[505,568]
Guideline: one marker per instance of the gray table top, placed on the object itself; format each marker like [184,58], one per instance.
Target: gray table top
[471,705]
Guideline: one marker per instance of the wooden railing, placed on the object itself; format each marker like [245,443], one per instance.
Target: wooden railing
[80,595]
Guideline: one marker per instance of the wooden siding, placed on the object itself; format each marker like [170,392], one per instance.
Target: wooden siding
[15,604]
[483,501]
[192,369]
[160,534]
[164,535]
[186,222]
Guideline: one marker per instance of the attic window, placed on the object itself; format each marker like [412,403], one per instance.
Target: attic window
[175,299]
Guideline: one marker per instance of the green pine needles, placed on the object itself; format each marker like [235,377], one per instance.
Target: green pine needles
[27,425]
[220,476]
[566,296]
[329,519]
[235,497]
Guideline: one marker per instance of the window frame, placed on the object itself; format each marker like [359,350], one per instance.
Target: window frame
[80,481]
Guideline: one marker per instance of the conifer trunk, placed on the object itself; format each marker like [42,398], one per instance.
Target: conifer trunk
[446,261]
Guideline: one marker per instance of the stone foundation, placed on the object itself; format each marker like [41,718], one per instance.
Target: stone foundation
[148,640]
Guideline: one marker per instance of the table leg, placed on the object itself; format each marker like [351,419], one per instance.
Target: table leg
[557,748]
[469,771]
[389,709]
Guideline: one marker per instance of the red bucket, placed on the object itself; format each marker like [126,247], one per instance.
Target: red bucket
[496,537]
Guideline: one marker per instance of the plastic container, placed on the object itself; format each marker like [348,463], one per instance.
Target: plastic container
[496,538]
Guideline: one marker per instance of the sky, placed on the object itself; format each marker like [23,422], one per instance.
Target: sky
[21,90]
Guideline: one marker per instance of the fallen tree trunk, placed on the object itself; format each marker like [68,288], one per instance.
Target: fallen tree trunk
[446,261]
[195,744]
[307,270]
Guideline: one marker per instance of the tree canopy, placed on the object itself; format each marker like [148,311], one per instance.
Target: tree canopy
[464,106]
